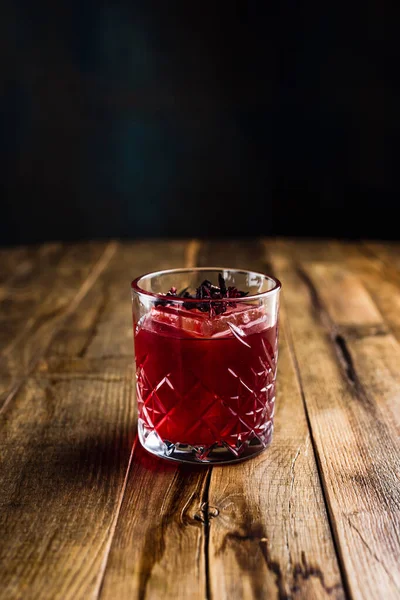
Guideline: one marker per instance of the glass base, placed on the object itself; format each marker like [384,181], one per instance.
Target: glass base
[215,454]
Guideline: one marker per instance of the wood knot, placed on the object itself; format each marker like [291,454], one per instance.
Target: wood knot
[206,513]
[212,512]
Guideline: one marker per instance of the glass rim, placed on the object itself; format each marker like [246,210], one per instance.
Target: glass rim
[136,287]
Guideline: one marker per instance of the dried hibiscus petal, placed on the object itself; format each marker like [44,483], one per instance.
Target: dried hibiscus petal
[209,297]
[222,285]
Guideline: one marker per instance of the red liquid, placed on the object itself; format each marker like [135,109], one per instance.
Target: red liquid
[200,390]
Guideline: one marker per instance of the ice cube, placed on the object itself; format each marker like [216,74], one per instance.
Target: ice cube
[179,322]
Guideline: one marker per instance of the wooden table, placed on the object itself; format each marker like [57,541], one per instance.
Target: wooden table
[86,513]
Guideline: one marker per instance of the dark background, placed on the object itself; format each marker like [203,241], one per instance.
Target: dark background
[138,119]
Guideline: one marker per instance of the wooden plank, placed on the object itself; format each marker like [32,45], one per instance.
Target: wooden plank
[158,547]
[375,270]
[13,262]
[55,275]
[380,278]
[269,534]
[66,442]
[388,252]
[36,302]
[344,296]
[348,365]
[18,270]
[367,346]
[24,288]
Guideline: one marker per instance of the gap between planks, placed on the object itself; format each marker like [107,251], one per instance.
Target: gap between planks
[98,268]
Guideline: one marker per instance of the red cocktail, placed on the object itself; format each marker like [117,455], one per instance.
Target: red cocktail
[206,372]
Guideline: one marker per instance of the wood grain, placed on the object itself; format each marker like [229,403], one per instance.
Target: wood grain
[349,373]
[388,252]
[19,268]
[380,277]
[36,302]
[27,285]
[67,437]
[13,262]
[158,548]
[85,512]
